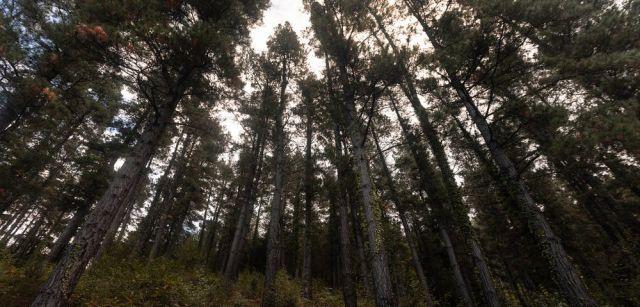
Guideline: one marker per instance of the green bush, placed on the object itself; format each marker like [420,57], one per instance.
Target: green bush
[161,282]
[20,284]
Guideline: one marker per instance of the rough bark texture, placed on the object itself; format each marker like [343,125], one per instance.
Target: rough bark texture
[566,274]
[273,243]
[348,287]
[119,218]
[66,274]
[308,204]
[68,233]
[246,200]
[378,257]
[415,258]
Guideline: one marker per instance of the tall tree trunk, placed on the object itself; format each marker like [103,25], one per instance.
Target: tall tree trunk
[68,232]
[247,201]
[66,274]
[403,219]
[429,183]
[168,199]
[457,209]
[145,230]
[308,204]
[457,274]
[348,287]
[378,257]
[567,275]
[213,230]
[129,202]
[203,225]
[273,243]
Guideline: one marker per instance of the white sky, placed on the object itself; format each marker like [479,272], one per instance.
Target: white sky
[280,12]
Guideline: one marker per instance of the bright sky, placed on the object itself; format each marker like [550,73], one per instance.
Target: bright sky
[280,12]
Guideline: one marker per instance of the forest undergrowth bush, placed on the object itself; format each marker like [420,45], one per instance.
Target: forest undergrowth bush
[116,280]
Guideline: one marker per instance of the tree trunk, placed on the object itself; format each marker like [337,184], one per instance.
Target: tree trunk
[379,266]
[213,231]
[273,243]
[203,225]
[460,284]
[348,287]
[567,276]
[457,209]
[308,205]
[145,230]
[435,195]
[68,233]
[66,274]
[403,219]
[246,200]
[129,202]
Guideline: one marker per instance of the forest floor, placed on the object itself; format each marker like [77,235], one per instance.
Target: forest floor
[115,280]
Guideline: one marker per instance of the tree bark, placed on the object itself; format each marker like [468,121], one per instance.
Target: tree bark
[145,230]
[460,284]
[403,219]
[378,257]
[68,233]
[66,274]
[308,204]
[567,275]
[428,183]
[247,201]
[456,206]
[273,243]
[348,287]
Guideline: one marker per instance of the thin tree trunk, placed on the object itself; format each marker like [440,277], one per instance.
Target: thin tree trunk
[203,225]
[460,284]
[243,222]
[213,231]
[308,205]
[567,275]
[145,231]
[257,226]
[68,233]
[129,202]
[403,219]
[436,199]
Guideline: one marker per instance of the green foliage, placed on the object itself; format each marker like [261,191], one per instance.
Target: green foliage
[162,282]
[19,284]
[115,280]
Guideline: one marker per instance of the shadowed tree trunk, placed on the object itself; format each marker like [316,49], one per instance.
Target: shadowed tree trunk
[348,287]
[247,200]
[66,274]
[437,198]
[273,243]
[403,219]
[308,201]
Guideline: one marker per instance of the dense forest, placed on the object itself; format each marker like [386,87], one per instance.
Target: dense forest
[393,153]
